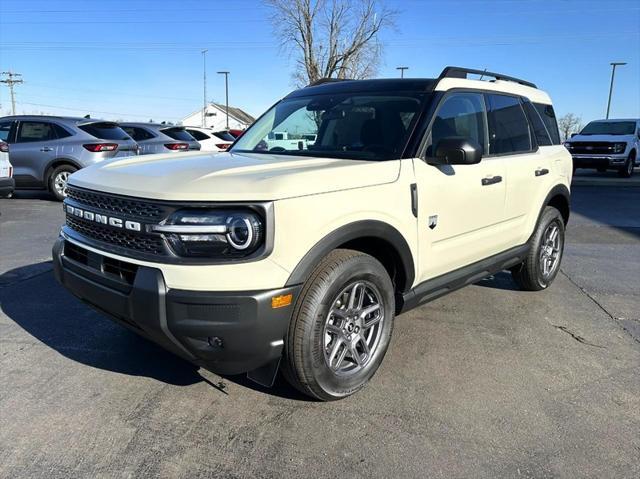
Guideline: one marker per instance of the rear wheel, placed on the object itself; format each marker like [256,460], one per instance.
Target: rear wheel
[542,263]
[58,181]
[627,170]
[341,326]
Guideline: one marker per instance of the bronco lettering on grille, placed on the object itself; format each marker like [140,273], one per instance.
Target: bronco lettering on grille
[104,219]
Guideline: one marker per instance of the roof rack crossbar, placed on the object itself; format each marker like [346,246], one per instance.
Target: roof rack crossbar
[460,72]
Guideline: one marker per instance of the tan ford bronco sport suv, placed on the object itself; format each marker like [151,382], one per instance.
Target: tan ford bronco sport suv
[298,257]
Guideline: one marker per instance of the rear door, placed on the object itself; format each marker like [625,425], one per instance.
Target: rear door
[460,207]
[35,147]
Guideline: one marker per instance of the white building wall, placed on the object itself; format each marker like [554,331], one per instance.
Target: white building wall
[216,119]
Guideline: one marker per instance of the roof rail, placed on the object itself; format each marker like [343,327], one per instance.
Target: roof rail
[460,72]
[326,80]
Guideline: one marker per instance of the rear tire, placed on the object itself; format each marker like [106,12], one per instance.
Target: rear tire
[58,181]
[542,262]
[627,170]
[341,326]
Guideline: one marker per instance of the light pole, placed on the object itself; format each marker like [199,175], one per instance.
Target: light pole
[226,93]
[204,86]
[402,69]
[613,75]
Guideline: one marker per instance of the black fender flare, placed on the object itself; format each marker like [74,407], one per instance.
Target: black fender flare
[353,231]
[558,190]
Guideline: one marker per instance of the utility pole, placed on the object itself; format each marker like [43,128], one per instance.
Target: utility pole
[226,89]
[402,69]
[204,87]
[10,81]
[613,75]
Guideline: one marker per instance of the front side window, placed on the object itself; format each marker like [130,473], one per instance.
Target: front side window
[508,126]
[31,131]
[609,128]
[460,115]
[360,126]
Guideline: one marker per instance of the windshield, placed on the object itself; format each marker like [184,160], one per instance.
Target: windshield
[609,128]
[350,125]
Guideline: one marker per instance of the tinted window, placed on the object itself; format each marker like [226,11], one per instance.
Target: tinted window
[539,129]
[225,135]
[177,134]
[549,118]
[461,114]
[105,131]
[198,135]
[138,134]
[609,128]
[508,126]
[60,131]
[5,129]
[35,131]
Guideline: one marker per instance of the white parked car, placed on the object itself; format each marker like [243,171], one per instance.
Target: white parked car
[211,140]
[6,172]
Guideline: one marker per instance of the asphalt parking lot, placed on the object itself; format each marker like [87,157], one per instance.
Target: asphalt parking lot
[486,382]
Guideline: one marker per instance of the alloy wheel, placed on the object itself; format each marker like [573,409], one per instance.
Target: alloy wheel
[550,250]
[60,183]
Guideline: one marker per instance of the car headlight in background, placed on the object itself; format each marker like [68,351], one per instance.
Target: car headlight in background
[567,145]
[214,233]
[619,147]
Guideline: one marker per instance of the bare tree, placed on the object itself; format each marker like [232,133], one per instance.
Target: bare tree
[331,38]
[569,124]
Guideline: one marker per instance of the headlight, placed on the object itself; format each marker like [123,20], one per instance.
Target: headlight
[214,233]
[567,145]
[619,147]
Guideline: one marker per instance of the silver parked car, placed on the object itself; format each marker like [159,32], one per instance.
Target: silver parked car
[160,138]
[45,150]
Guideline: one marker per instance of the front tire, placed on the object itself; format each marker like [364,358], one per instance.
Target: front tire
[341,326]
[627,170]
[542,263]
[58,181]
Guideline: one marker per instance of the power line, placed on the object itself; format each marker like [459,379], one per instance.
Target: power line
[11,80]
[83,110]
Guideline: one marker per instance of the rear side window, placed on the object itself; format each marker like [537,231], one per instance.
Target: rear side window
[461,114]
[105,131]
[177,134]
[539,129]
[508,126]
[138,134]
[549,118]
[225,135]
[198,135]
[31,131]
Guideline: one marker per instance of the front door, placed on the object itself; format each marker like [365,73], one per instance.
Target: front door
[34,149]
[460,207]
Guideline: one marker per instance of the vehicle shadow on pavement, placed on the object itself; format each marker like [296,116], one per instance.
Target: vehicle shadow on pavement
[31,297]
[502,280]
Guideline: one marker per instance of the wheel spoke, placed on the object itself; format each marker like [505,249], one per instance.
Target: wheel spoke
[354,354]
[337,355]
[333,329]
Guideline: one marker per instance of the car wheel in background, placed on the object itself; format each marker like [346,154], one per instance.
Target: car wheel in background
[58,181]
[542,262]
[627,170]
[341,326]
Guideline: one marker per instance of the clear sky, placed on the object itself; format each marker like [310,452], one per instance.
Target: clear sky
[140,59]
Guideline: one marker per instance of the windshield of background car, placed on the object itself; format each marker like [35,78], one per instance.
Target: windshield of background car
[362,126]
[609,128]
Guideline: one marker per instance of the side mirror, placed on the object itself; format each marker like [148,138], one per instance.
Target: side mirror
[573,134]
[456,150]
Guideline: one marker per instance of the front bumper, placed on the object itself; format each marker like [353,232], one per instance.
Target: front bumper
[599,161]
[226,332]
[7,185]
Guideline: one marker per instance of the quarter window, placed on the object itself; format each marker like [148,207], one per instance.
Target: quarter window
[539,129]
[549,118]
[508,126]
[460,115]
[31,131]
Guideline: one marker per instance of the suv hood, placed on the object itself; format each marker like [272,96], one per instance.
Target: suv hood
[201,176]
[608,138]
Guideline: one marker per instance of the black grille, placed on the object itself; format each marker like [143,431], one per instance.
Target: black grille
[117,204]
[592,148]
[138,242]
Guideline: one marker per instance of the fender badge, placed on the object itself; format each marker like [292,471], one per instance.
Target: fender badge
[433,221]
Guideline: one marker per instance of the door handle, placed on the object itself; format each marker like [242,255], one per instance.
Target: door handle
[541,172]
[46,148]
[492,180]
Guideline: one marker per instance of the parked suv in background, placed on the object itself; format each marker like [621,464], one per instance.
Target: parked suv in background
[6,172]
[211,140]
[158,138]
[606,145]
[45,150]
[300,258]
